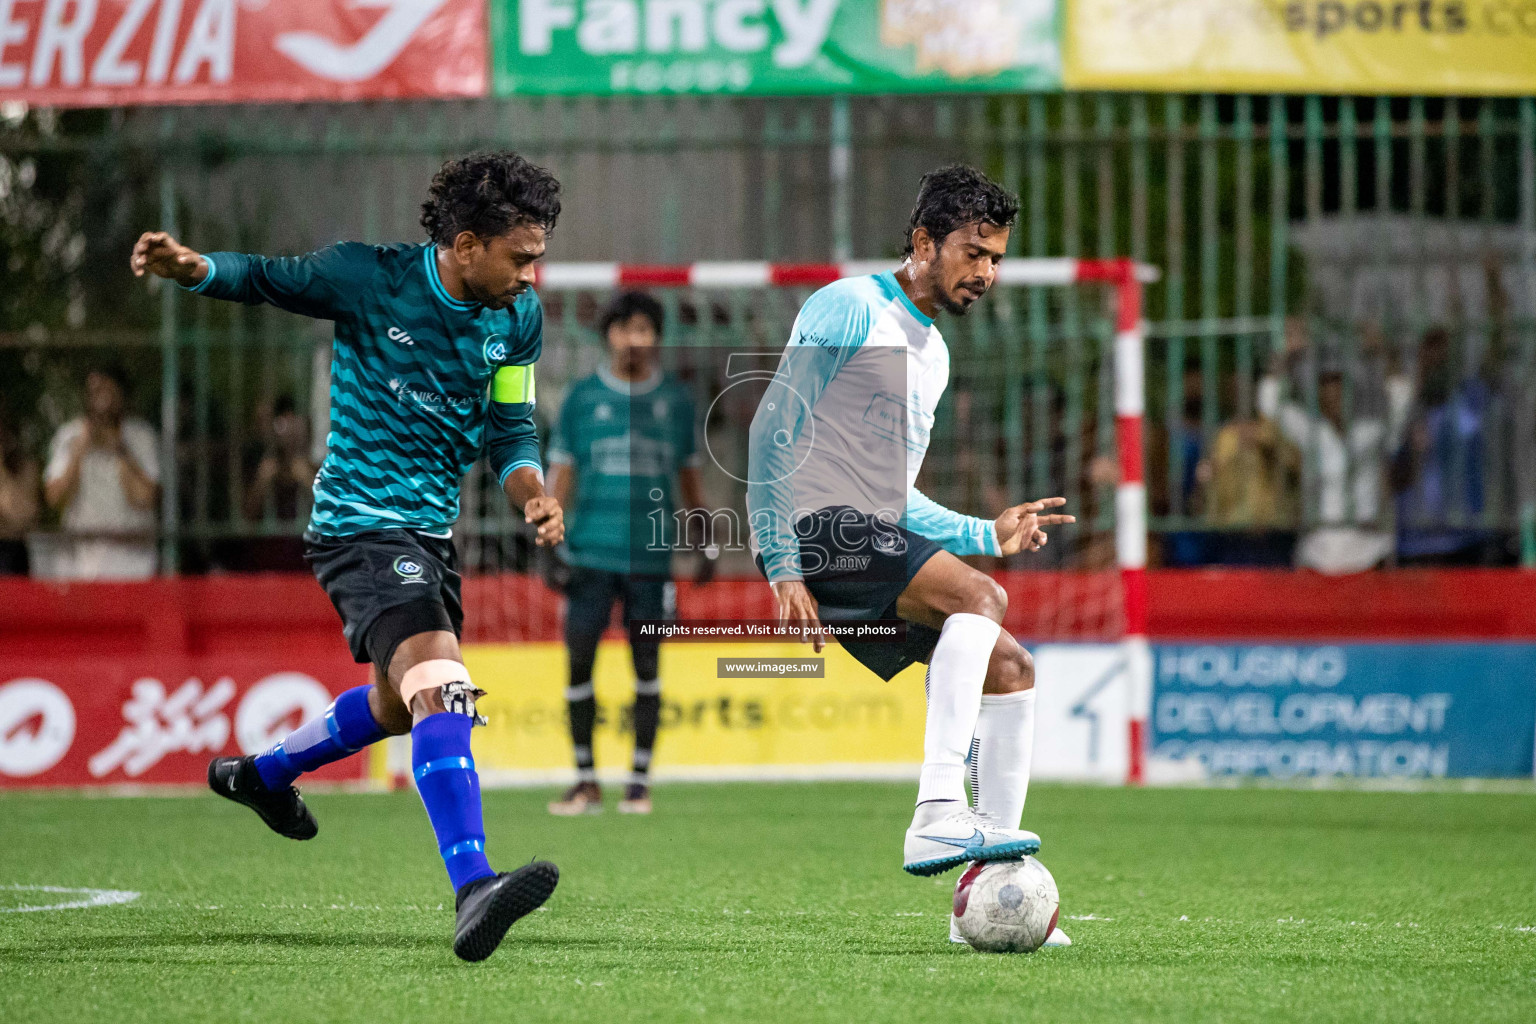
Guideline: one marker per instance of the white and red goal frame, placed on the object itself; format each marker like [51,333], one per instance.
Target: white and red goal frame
[1125,276]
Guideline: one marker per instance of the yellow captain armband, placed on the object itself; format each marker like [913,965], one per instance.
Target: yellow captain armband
[513,385]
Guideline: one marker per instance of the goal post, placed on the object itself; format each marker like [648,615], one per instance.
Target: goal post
[1126,280]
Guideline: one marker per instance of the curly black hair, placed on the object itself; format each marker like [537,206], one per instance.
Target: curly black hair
[489,194]
[626,305]
[954,196]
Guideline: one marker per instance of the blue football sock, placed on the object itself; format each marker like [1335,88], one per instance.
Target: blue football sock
[450,789]
[346,727]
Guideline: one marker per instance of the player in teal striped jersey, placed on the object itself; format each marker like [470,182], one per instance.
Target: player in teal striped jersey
[433,360]
[624,435]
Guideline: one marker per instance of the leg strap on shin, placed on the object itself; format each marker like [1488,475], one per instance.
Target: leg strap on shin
[449,676]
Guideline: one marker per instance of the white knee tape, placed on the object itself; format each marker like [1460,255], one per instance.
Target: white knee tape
[434,675]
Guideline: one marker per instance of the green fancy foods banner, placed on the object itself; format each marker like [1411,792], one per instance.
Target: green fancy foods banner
[1445,47]
[773,47]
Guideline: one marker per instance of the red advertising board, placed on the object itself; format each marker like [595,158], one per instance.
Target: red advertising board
[126,683]
[99,723]
[114,683]
[81,53]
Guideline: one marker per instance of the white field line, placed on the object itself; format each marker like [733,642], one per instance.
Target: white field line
[1318,923]
[109,897]
[93,898]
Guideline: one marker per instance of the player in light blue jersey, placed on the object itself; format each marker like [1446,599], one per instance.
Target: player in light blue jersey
[842,533]
[433,362]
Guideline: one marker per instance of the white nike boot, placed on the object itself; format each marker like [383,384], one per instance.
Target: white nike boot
[945,834]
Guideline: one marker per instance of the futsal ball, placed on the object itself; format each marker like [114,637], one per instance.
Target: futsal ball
[1006,906]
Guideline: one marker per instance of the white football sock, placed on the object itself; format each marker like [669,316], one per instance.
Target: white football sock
[1001,755]
[956,673]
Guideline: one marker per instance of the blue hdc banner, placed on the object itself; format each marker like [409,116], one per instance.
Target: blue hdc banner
[1362,710]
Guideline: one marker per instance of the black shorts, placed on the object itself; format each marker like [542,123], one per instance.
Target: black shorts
[590,595]
[856,567]
[388,586]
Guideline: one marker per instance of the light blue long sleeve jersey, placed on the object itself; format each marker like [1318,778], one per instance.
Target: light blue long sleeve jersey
[846,421]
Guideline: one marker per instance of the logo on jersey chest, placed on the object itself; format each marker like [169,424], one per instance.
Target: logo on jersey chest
[895,420]
[604,413]
[495,349]
[632,455]
[432,401]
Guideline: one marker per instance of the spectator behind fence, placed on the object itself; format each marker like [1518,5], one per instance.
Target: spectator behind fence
[1252,480]
[284,473]
[18,499]
[104,476]
[281,482]
[1467,444]
[1178,491]
[1439,472]
[1343,459]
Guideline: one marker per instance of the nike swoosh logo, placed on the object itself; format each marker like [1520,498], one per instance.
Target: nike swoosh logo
[976,840]
[231,782]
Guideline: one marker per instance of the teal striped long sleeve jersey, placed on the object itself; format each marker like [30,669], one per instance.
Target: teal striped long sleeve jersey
[420,381]
[626,441]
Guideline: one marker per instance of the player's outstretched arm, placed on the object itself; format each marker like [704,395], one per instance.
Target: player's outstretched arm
[323,284]
[156,252]
[956,533]
[1022,527]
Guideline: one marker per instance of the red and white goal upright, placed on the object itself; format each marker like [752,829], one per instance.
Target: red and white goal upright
[1130,493]
[1125,279]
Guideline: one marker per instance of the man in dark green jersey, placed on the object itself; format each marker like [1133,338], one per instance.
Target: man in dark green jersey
[625,434]
[434,357]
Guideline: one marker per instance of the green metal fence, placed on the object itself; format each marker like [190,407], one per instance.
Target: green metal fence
[1362,224]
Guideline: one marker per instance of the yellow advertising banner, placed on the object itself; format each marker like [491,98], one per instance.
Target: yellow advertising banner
[1442,47]
[848,723]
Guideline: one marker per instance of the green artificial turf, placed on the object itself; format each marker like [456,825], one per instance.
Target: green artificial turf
[779,903]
